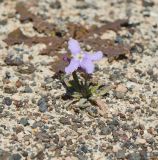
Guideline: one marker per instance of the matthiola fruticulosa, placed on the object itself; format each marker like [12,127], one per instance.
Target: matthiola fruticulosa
[81,58]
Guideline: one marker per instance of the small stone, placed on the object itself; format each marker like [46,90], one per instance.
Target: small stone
[153,104]
[134,156]
[26,68]
[24,153]
[55,5]
[13,60]
[15,157]
[10,89]
[150,72]
[105,130]
[148,3]
[27,90]
[140,141]
[154,77]
[7,101]
[3,22]
[64,121]
[83,149]
[4,155]
[119,40]
[42,136]
[92,111]
[1,108]
[24,121]
[120,154]
[43,105]
[120,91]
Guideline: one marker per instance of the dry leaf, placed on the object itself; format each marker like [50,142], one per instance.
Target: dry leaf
[38,23]
[52,43]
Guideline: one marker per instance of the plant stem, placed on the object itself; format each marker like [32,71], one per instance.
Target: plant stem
[75,77]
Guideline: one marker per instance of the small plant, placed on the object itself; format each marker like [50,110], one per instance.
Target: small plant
[81,66]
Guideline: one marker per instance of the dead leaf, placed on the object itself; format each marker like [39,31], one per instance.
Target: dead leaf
[77,31]
[52,43]
[38,23]
[115,26]
[108,47]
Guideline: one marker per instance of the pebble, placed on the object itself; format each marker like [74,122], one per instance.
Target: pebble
[140,141]
[105,131]
[1,108]
[120,91]
[55,5]
[121,154]
[134,156]
[15,157]
[27,89]
[24,121]
[42,104]
[64,121]
[24,153]
[7,101]
[4,155]
[153,104]
[13,60]
[27,68]
[10,89]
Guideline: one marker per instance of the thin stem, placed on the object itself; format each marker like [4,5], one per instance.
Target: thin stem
[76,79]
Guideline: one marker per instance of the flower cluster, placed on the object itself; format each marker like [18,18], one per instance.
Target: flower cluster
[81,59]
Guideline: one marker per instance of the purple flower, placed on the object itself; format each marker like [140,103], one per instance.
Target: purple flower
[81,58]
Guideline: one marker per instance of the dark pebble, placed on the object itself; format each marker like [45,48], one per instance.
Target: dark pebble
[4,155]
[150,72]
[148,3]
[154,77]
[105,131]
[55,138]
[114,122]
[119,95]
[43,105]
[43,136]
[3,22]
[24,121]
[119,40]
[83,148]
[7,101]
[134,156]
[24,153]
[10,90]
[55,5]
[39,124]
[137,48]
[153,104]
[26,68]
[120,154]
[1,108]
[13,61]
[15,157]
[27,90]
[82,157]
[64,121]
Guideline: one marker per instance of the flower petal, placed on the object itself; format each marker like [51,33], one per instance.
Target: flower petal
[74,64]
[74,46]
[87,65]
[96,56]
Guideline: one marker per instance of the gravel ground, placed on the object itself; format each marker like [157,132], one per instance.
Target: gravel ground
[36,123]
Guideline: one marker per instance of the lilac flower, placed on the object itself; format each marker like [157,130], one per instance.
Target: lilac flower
[81,58]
